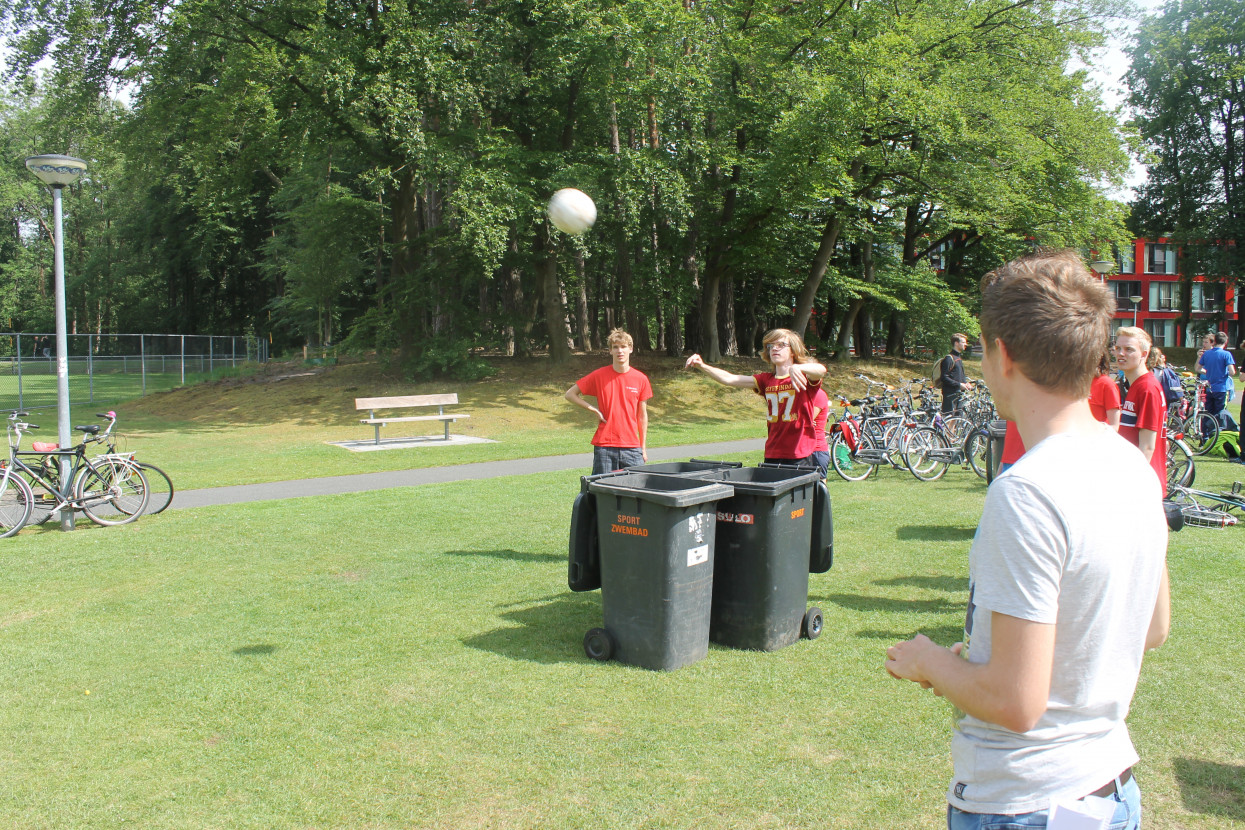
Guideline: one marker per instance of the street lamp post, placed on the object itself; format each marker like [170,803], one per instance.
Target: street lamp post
[1102,267]
[56,172]
[1135,299]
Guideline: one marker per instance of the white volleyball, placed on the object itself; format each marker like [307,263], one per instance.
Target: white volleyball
[571,211]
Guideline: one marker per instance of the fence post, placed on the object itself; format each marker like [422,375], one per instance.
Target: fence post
[90,371]
[211,343]
[183,337]
[233,351]
[142,358]
[19,372]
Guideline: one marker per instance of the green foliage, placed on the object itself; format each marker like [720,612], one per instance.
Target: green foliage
[446,357]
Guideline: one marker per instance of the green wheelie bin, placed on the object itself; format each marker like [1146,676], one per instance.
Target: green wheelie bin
[656,543]
[762,562]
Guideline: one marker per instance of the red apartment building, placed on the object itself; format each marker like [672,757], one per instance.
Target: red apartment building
[1147,271]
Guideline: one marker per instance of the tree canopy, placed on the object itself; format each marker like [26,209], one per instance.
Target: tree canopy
[329,171]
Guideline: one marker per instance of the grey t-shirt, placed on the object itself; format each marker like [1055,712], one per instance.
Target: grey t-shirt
[1073,535]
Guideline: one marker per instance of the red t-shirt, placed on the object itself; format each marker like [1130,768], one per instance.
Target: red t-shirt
[618,395]
[1013,445]
[1104,396]
[822,402]
[1145,408]
[789,413]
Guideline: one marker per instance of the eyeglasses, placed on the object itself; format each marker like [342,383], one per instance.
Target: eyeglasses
[779,345]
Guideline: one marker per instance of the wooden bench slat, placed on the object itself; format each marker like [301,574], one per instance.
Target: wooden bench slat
[412,418]
[406,400]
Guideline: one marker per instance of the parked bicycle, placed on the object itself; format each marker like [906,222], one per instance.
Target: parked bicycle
[109,489]
[1201,508]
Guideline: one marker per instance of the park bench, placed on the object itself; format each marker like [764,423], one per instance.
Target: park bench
[405,402]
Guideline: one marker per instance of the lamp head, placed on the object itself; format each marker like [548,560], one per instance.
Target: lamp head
[1102,267]
[56,171]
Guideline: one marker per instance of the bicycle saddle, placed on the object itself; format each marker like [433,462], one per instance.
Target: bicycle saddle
[89,429]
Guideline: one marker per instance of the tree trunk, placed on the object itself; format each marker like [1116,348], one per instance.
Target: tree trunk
[581,303]
[895,334]
[726,318]
[551,299]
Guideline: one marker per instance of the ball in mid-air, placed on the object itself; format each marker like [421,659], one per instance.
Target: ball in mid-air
[571,211]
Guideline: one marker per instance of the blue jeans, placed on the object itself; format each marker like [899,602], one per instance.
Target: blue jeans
[822,459]
[609,459]
[1127,815]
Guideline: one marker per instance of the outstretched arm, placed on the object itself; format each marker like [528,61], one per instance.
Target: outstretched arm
[802,374]
[721,375]
[576,397]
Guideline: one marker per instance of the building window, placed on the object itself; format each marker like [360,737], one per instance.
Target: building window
[1164,296]
[1123,289]
[1162,332]
[1124,260]
[1160,258]
[1208,296]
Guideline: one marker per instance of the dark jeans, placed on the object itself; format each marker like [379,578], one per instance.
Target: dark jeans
[609,459]
[951,402]
[1215,401]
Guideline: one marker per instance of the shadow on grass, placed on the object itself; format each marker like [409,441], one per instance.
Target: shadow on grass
[549,630]
[934,533]
[1212,788]
[854,602]
[255,650]
[943,635]
[509,555]
[950,584]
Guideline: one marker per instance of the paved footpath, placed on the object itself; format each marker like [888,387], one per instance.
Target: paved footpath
[362,482]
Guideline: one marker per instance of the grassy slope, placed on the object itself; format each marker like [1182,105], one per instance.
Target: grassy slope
[275,425]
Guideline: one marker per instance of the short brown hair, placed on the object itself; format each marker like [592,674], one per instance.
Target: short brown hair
[959,336]
[1052,315]
[620,337]
[799,352]
[1221,338]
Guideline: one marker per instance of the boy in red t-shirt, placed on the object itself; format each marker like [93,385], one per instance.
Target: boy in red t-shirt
[622,414]
[788,392]
[1144,413]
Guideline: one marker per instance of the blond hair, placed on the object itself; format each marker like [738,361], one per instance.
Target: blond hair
[799,353]
[619,337]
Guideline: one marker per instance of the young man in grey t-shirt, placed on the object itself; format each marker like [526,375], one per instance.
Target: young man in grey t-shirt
[1062,605]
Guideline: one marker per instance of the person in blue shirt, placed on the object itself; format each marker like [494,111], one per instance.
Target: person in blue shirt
[1217,364]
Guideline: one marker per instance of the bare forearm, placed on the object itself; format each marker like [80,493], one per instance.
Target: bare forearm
[1160,623]
[1147,440]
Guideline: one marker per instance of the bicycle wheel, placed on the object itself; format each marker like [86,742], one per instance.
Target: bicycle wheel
[844,461]
[917,454]
[1180,469]
[15,501]
[1201,432]
[957,429]
[976,447]
[111,492]
[43,500]
[159,486]
[1197,515]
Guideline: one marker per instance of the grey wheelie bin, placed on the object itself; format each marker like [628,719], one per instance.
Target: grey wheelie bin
[762,560]
[691,466]
[656,541]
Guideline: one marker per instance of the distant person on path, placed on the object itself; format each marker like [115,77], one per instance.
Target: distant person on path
[1143,417]
[951,378]
[1062,605]
[788,391]
[622,414]
[1217,363]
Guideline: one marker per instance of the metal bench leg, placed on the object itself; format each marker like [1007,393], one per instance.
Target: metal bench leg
[371,414]
[441,411]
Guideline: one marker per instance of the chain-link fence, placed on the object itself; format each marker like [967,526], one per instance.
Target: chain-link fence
[104,368]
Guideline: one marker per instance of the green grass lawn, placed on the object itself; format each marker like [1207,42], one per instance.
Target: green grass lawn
[412,658]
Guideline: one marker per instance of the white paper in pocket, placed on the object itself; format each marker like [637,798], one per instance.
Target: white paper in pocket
[1089,813]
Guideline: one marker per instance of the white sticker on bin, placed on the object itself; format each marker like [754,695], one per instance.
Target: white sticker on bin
[697,555]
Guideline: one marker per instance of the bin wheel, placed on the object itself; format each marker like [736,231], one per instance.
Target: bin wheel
[598,644]
[813,623]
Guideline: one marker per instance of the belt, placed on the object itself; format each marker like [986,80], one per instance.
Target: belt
[1110,788]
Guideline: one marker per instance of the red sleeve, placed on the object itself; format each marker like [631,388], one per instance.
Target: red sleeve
[646,391]
[588,384]
[1153,410]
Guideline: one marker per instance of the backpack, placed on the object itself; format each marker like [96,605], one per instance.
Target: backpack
[1173,389]
[936,374]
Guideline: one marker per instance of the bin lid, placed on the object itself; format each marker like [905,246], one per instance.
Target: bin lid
[766,481]
[665,490]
